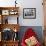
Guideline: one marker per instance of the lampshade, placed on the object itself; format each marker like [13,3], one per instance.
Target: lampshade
[15,30]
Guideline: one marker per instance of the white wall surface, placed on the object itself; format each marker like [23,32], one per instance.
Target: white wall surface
[27,4]
[39,13]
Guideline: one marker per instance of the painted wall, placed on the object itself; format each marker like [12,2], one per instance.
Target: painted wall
[39,13]
[27,4]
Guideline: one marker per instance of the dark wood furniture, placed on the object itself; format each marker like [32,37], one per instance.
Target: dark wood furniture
[4,13]
[10,43]
[0,43]
[8,11]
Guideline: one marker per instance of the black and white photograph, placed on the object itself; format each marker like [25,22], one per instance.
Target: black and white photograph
[29,13]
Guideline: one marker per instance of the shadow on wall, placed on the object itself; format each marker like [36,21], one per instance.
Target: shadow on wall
[37,29]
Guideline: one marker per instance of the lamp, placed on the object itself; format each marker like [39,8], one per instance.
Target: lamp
[15,35]
[15,30]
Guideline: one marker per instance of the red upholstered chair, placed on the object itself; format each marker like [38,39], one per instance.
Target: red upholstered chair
[29,33]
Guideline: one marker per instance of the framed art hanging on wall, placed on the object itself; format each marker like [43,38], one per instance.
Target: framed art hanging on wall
[29,13]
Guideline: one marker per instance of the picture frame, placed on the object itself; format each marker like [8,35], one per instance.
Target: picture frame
[5,12]
[29,13]
[13,12]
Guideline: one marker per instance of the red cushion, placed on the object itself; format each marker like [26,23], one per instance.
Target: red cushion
[29,33]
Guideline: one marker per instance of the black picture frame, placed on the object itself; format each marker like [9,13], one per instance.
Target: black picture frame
[29,13]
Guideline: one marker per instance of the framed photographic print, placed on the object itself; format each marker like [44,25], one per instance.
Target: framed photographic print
[5,12]
[29,13]
[13,12]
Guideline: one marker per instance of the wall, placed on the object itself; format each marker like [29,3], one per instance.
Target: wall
[27,4]
[39,13]
[44,13]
